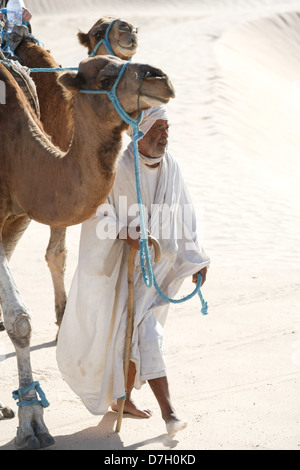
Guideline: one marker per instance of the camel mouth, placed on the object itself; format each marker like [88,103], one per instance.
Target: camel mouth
[132,47]
[156,98]
[165,89]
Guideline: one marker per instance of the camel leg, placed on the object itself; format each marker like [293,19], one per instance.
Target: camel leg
[12,231]
[32,432]
[56,255]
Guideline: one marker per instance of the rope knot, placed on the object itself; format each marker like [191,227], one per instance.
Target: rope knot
[17,394]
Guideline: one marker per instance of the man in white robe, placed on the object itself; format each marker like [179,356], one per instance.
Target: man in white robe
[90,350]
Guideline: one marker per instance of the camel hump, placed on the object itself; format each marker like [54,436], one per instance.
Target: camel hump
[25,82]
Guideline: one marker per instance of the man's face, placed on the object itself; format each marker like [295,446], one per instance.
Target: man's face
[154,143]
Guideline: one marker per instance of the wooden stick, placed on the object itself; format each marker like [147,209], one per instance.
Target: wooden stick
[128,341]
[121,401]
[157,249]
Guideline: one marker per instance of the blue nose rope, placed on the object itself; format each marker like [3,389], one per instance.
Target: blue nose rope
[146,265]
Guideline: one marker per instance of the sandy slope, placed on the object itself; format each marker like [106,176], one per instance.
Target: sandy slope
[234,374]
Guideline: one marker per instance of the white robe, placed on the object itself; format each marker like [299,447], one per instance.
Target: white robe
[90,348]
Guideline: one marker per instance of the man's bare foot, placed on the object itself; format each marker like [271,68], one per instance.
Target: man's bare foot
[174,425]
[131,408]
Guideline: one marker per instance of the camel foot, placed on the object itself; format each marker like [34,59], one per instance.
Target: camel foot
[5,412]
[2,327]
[32,433]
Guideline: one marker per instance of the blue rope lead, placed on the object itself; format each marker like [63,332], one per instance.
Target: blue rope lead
[57,69]
[204,309]
[148,274]
[17,394]
[145,257]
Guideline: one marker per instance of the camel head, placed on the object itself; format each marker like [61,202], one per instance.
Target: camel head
[140,87]
[122,37]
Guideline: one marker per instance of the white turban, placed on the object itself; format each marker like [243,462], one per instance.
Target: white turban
[150,116]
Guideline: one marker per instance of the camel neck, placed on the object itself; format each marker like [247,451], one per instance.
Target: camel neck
[96,144]
[67,187]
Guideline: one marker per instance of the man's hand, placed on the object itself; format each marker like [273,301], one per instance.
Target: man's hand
[26,15]
[133,240]
[203,273]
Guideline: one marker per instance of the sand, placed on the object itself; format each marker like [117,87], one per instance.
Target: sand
[234,374]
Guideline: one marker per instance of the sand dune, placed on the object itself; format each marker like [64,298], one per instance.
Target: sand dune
[234,374]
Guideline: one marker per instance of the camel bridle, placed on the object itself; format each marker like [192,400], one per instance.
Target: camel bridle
[104,41]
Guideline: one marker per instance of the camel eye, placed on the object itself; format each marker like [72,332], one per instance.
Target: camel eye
[124,27]
[106,83]
[98,35]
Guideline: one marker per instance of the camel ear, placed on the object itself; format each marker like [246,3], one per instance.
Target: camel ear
[71,81]
[84,39]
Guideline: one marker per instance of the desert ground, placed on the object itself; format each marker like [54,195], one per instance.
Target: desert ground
[234,374]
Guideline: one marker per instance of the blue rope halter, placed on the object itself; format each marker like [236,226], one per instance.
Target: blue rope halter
[104,41]
[145,257]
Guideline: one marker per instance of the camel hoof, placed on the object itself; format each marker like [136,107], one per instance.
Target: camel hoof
[34,443]
[31,443]
[7,413]
[46,440]
[32,433]
[2,327]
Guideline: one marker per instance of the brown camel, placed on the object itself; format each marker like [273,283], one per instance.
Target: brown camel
[122,38]
[38,181]
[60,124]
